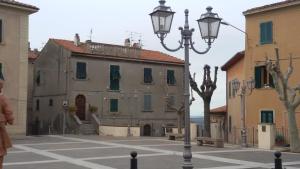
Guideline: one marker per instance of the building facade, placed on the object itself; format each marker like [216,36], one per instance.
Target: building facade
[267,27]
[14,58]
[124,85]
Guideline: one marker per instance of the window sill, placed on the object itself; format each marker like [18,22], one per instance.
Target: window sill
[86,79]
[117,91]
[171,84]
[265,88]
[143,83]
[170,111]
[147,111]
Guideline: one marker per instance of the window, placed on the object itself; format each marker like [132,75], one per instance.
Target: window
[1,31]
[114,105]
[37,105]
[170,77]
[1,70]
[230,124]
[229,89]
[147,103]
[81,70]
[148,75]
[114,77]
[266,33]
[170,103]
[266,116]
[38,78]
[262,77]
[51,102]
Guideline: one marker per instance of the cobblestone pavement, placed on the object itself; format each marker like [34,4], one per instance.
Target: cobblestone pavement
[98,152]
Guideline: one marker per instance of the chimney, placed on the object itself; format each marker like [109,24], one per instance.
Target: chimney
[76,40]
[127,42]
[136,45]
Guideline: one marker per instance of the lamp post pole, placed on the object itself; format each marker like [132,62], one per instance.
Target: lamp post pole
[245,87]
[209,24]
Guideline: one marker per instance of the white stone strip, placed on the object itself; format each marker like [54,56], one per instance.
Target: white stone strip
[31,162]
[64,158]
[234,167]
[16,152]
[213,158]
[157,145]
[124,156]
[50,143]
[153,139]
[83,148]
[224,151]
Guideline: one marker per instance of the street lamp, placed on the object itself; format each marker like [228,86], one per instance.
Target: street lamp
[246,89]
[209,24]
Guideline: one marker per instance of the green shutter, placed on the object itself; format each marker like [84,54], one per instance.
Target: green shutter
[271,82]
[269,32]
[170,77]
[267,116]
[262,33]
[1,31]
[147,75]
[258,77]
[81,70]
[113,105]
[114,77]
[147,103]
[266,32]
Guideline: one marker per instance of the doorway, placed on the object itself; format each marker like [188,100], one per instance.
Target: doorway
[147,130]
[80,105]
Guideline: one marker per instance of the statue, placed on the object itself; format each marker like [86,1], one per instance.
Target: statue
[6,117]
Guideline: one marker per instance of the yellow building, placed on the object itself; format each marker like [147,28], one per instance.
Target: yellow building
[14,58]
[267,27]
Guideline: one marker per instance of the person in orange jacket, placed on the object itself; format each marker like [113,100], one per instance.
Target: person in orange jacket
[6,117]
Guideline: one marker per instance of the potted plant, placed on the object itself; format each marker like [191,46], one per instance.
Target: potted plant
[72,109]
[279,139]
[93,109]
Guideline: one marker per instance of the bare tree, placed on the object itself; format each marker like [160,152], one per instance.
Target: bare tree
[179,111]
[206,91]
[289,96]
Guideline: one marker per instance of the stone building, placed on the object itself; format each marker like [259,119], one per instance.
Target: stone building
[14,18]
[105,85]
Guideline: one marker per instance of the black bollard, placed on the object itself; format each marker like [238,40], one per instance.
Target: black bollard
[278,161]
[133,161]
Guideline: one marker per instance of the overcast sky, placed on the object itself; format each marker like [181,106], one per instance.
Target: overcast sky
[113,20]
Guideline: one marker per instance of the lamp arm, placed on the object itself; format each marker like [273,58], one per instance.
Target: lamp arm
[195,50]
[171,50]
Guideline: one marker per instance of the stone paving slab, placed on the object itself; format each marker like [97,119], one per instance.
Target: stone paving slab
[23,157]
[33,139]
[159,162]
[257,156]
[56,165]
[195,148]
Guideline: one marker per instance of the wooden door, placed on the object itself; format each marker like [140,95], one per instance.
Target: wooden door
[80,105]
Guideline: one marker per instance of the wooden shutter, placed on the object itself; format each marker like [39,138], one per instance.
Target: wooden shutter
[147,75]
[269,32]
[271,82]
[1,31]
[229,89]
[257,74]
[147,103]
[114,77]
[170,77]
[262,33]
[81,70]
[113,105]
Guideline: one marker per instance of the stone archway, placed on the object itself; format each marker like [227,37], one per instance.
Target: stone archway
[80,105]
[147,130]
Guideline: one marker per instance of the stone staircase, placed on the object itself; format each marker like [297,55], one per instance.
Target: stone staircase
[87,128]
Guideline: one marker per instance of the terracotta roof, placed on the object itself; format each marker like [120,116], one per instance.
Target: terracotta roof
[18,4]
[232,61]
[144,55]
[273,6]
[222,109]
[33,55]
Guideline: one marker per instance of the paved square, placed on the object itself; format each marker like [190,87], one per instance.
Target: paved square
[98,152]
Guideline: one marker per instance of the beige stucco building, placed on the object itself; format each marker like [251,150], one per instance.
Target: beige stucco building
[14,57]
[267,27]
[124,85]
